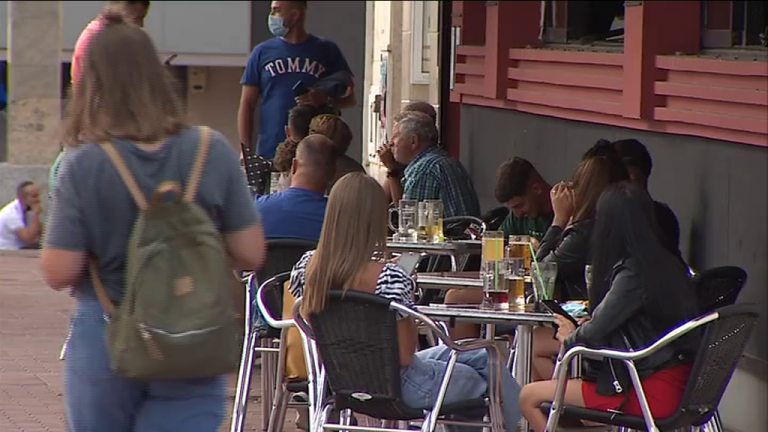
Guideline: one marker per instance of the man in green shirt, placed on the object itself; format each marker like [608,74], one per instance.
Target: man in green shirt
[526,194]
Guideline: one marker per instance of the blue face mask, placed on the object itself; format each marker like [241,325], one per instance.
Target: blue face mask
[277,26]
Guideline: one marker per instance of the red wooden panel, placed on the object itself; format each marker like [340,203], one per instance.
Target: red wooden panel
[728,109]
[470,69]
[757,126]
[565,79]
[558,101]
[724,67]
[559,56]
[468,50]
[571,69]
[718,15]
[715,80]
[569,92]
[713,93]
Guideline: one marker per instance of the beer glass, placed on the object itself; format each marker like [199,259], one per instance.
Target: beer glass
[433,210]
[492,256]
[406,221]
[514,281]
[520,247]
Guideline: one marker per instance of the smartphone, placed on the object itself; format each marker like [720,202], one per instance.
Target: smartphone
[409,261]
[300,89]
[555,308]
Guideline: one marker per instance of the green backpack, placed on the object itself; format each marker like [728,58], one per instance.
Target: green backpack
[176,318]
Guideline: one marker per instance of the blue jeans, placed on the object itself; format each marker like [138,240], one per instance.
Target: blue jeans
[98,400]
[421,380]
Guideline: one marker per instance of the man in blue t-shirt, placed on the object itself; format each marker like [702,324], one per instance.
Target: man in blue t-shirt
[298,212]
[293,59]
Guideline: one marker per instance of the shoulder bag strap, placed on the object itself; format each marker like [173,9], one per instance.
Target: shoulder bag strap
[126,176]
[197,168]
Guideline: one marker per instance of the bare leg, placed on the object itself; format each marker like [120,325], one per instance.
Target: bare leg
[545,346]
[464,296]
[535,394]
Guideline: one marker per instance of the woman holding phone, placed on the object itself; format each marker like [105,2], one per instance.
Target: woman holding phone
[640,292]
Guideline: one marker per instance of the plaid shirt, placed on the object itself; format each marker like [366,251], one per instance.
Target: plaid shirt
[435,175]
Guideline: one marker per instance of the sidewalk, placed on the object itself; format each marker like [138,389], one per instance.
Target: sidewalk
[33,324]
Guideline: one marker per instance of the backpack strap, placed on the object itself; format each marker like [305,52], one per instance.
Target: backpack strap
[125,175]
[197,169]
[101,293]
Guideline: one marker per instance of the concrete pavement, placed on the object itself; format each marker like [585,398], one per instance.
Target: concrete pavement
[33,324]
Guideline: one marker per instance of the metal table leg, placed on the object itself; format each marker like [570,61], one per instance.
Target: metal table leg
[523,352]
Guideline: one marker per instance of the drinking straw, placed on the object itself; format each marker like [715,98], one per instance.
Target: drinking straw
[538,273]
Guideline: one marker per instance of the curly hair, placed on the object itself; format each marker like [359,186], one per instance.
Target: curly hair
[284,155]
[335,129]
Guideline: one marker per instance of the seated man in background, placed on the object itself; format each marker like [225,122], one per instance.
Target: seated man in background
[21,225]
[429,173]
[522,190]
[299,211]
[385,151]
[526,195]
[338,131]
[299,119]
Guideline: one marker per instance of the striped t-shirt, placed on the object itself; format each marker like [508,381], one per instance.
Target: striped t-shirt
[394,284]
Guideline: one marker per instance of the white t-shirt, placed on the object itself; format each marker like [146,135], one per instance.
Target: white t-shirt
[11,220]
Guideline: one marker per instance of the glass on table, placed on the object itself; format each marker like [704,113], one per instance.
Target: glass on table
[433,210]
[514,281]
[493,246]
[520,247]
[544,280]
[407,212]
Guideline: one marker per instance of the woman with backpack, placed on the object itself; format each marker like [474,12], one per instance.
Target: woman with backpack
[149,217]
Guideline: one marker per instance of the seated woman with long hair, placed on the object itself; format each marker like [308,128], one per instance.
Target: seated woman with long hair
[640,292]
[344,260]
[567,243]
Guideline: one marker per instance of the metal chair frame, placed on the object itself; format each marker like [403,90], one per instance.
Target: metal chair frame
[565,358]
[320,412]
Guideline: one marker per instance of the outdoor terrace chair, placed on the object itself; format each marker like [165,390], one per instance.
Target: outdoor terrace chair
[257,170]
[726,332]
[719,286]
[261,337]
[356,338]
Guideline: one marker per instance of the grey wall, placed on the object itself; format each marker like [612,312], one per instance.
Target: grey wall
[178,27]
[718,190]
[3,24]
[344,23]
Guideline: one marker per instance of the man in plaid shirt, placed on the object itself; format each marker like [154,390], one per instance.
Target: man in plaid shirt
[430,173]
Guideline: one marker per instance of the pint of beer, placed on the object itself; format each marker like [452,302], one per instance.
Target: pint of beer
[519,247]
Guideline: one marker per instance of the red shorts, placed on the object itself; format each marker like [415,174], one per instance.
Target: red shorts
[663,390]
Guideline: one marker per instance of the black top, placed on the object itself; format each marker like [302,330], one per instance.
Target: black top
[670,228]
[570,249]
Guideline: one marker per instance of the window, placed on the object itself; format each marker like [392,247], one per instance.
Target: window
[734,24]
[584,22]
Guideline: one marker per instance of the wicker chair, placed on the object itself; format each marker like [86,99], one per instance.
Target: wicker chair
[282,254]
[726,334]
[719,286]
[257,171]
[356,338]
[716,288]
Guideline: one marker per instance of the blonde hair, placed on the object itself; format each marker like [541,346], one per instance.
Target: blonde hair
[335,128]
[123,89]
[348,240]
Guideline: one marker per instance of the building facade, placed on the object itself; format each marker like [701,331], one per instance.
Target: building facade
[544,80]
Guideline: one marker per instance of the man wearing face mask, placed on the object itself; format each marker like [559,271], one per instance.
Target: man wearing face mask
[286,71]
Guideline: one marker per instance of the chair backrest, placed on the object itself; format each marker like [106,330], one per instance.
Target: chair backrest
[719,287]
[721,349]
[282,254]
[356,337]
[257,170]
[273,298]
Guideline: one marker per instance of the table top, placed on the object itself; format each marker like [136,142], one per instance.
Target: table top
[474,313]
[447,247]
[467,279]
